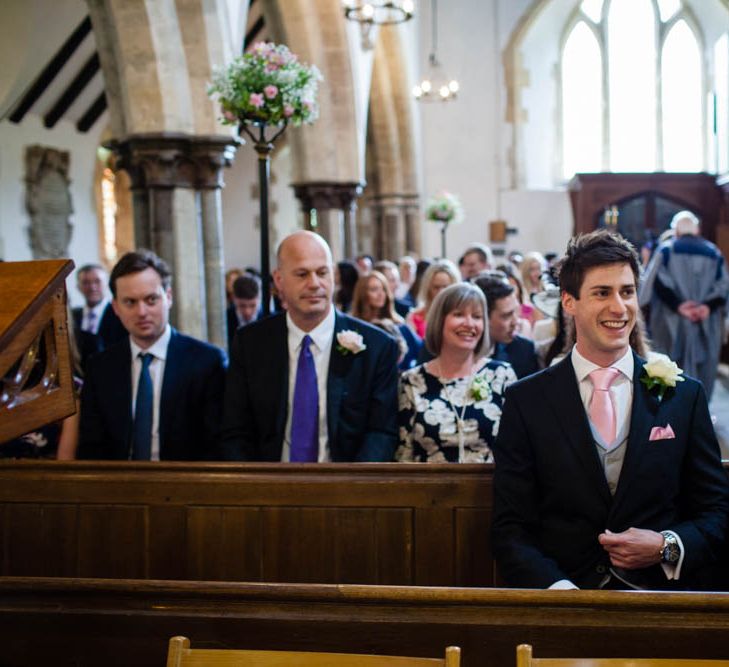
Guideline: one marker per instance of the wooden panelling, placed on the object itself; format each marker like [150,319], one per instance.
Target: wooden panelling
[90,622]
[365,523]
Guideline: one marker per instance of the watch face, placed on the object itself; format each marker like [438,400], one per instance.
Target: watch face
[670,551]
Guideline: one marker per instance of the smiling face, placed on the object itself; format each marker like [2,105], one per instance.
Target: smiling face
[376,294]
[605,313]
[305,278]
[463,328]
[142,304]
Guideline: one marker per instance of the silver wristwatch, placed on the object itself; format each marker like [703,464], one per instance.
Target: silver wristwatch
[670,551]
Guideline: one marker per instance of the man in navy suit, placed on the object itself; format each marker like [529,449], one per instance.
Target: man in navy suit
[246,306]
[310,384]
[600,480]
[158,393]
[96,326]
[503,313]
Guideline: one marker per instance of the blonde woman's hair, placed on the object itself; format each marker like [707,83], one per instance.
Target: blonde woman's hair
[439,266]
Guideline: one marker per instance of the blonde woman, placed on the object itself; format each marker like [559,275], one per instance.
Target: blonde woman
[439,275]
[532,268]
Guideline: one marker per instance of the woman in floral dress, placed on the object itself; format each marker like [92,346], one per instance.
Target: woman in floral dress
[450,407]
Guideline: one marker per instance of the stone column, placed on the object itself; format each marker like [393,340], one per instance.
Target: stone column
[176,181]
[336,206]
[396,230]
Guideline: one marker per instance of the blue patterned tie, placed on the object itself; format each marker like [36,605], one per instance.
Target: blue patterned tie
[143,409]
[305,412]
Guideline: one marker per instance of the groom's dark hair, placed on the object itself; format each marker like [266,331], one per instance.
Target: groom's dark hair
[586,251]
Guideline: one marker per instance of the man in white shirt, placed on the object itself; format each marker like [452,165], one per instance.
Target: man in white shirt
[157,394]
[604,477]
[310,384]
[96,326]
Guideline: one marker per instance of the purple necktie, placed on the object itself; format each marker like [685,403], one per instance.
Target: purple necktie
[305,414]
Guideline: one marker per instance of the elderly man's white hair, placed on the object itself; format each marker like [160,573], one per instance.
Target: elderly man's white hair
[685,222]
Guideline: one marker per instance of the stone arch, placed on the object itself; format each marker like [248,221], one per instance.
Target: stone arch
[392,167]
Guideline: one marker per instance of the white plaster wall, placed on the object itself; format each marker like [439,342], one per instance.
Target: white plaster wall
[14,219]
[466,143]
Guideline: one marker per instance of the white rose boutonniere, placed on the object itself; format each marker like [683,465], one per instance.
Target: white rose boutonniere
[350,341]
[661,372]
[480,389]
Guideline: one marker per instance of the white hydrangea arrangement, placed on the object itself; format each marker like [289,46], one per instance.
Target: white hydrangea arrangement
[444,207]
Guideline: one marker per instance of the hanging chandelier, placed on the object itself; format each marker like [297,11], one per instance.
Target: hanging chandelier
[436,87]
[378,12]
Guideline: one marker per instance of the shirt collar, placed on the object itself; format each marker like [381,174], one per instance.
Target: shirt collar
[583,367]
[98,308]
[321,334]
[158,350]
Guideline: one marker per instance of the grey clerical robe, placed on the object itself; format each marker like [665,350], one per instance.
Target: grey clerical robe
[688,268]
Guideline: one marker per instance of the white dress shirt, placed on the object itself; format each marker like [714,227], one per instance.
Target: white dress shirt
[157,371]
[612,454]
[321,348]
[92,325]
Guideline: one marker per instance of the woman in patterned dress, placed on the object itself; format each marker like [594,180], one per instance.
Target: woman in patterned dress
[450,407]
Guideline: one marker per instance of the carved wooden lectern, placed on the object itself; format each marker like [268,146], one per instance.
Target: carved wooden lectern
[36,384]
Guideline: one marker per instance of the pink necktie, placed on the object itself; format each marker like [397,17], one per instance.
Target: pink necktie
[602,412]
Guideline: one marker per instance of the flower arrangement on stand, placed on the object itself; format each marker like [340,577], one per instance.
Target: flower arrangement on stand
[267,87]
[445,208]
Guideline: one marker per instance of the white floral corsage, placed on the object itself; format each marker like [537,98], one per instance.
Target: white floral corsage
[480,389]
[350,341]
[661,372]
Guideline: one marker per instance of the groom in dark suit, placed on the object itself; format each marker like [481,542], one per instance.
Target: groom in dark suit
[157,394]
[310,384]
[600,480]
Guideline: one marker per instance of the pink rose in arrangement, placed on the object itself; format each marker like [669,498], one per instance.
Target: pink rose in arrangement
[270,91]
[288,110]
[256,100]
[229,115]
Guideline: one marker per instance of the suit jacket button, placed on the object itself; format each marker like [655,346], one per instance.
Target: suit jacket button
[601,569]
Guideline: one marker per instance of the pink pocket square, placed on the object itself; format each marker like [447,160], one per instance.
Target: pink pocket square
[662,433]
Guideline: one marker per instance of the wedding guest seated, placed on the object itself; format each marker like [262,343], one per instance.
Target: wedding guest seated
[407,267]
[157,394]
[526,310]
[438,276]
[373,303]
[310,384]
[346,276]
[503,317]
[450,407]
[96,326]
[246,304]
[392,273]
[414,291]
[475,259]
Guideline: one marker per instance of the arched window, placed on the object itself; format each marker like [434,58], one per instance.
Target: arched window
[646,56]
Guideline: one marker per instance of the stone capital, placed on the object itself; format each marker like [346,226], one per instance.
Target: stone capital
[323,195]
[173,160]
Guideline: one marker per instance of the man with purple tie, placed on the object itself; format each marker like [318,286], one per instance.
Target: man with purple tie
[310,384]
[608,473]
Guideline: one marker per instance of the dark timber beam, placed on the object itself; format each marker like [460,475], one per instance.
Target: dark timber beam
[80,81]
[92,114]
[45,78]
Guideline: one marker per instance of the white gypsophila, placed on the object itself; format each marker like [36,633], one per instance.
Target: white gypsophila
[663,369]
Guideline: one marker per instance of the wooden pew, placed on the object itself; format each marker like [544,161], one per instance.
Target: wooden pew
[93,622]
[361,523]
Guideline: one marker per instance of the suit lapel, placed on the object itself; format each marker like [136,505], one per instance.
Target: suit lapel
[642,418]
[279,372]
[170,380]
[563,396]
[339,365]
